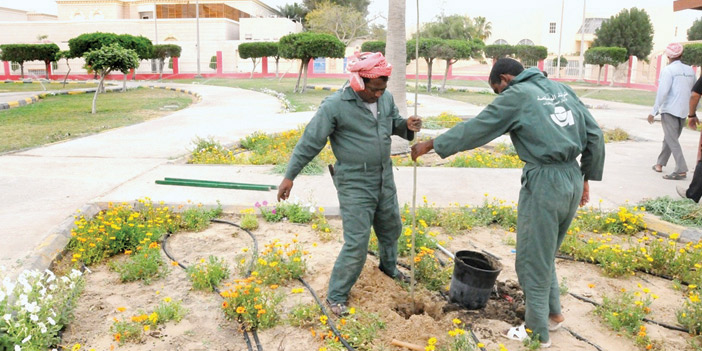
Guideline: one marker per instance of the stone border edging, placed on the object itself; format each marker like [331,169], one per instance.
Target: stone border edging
[321,87]
[186,91]
[665,228]
[49,81]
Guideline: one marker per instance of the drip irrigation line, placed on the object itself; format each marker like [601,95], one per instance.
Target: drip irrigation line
[577,336]
[664,325]
[324,311]
[164,247]
[662,276]
[321,306]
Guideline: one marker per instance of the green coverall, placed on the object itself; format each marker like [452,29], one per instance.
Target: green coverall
[363,179]
[549,127]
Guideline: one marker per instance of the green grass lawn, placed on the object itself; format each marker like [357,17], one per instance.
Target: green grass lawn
[308,101]
[17,87]
[629,96]
[68,116]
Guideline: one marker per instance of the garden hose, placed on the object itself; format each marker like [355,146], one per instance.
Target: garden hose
[324,311]
[321,306]
[577,336]
[241,327]
[667,326]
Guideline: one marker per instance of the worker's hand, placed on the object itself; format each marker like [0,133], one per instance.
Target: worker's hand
[284,189]
[586,194]
[422,148]
[414,123]
[692,122]
[650,119]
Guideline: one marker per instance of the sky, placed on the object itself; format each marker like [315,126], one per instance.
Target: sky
[429,9]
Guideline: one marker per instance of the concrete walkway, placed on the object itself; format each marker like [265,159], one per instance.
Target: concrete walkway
[43,187]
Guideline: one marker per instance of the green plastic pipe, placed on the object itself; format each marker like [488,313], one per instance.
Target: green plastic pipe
[214,185]
[217,182]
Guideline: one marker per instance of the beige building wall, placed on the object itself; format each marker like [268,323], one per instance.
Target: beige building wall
[267,29]
[83,10]
[12,14]
[254,8]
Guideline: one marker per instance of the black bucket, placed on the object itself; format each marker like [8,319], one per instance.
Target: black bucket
[474,276]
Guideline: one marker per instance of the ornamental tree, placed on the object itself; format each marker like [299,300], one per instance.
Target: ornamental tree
[629,29]
[163,51]
[530,54]
[496,52]
[454,50]
[695,32]
[46,53]
[692,54]
[110,58]
[19,53]
[605,56]
[305,46]
[429,49]
[373,46]
[258,50]
[83,43]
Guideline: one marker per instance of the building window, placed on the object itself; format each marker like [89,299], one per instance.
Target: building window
[501,42]
[552,27]
[525,42]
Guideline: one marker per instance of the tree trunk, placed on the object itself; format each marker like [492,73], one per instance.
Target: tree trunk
[254,67]
[276,66]
[304,82]
[48,65]
[396,53]
[598,75]
[448,65]
[299,75]
[102,80]
[66,76]
[429,64]
[22,70]
[124,83]
[160,69]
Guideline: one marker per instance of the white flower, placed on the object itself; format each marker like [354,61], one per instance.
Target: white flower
[7,317]
[23,299]
[33,317]
[42,292]
[9,286]
[2,296]
[32,307]
[65,279]
[312,209]
[51,321]
[52,287]
[18,348]
[29,337]
[75,273]
[42,327]
[51,276]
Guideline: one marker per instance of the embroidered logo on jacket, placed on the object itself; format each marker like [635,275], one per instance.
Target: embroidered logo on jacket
[562,117]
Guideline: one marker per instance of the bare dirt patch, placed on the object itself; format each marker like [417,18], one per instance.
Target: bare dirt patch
[414,321]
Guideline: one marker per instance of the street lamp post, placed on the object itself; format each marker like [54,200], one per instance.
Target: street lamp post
[581,71]
[560,36]
[197,24]
[155,26]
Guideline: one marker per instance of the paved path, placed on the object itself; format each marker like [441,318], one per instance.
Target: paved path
[43,187]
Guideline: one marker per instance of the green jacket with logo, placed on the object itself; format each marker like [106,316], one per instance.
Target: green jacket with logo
[546,121]
[359,141]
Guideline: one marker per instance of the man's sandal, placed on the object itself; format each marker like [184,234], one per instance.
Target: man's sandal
[553,326]
[675,176]
[338,308]
[656,169]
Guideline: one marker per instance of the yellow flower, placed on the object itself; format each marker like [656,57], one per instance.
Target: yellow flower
[352,310]
[481,345]
[241,310]
[121,309]
[166,299]
[674,236]
[75,347]
[147,327]
[323,319]
[456,321]
[431,341]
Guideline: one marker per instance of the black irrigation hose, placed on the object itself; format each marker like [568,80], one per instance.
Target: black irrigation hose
[666,277]
[168,254]
[667,326]
[324,311]
[321,306]
[577,336]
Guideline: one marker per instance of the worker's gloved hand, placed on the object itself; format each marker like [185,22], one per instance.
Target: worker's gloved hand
[414,123]
[284,189]
[422,148]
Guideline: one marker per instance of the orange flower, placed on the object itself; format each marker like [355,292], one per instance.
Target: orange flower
[225,304]
[127,252]
[241,310]
[121,309]
[118,336]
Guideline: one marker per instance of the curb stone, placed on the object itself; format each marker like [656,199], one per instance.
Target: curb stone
[665,228]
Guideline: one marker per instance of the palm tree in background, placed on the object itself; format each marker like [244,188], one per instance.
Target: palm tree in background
[481,28]
[295,11]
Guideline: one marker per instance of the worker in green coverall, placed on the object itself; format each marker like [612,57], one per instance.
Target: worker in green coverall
[549,127]
[358,120]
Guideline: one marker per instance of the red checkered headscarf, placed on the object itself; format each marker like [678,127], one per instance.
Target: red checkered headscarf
[674,50]
[367,65]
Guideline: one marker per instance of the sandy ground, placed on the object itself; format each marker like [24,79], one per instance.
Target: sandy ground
[205,328]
